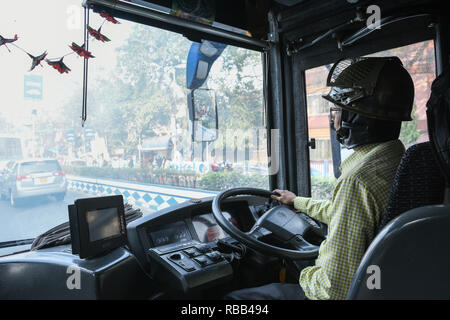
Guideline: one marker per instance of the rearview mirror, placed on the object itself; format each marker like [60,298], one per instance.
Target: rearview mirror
[203,114]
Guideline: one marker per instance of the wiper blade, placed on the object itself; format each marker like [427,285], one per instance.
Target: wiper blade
[15,243]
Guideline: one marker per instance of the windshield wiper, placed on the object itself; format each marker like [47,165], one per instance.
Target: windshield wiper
[15,243]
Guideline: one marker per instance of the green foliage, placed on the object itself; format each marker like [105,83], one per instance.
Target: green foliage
[218,181]
[322,188]
[409,133]
[146,96]
[185,178]
[215,181]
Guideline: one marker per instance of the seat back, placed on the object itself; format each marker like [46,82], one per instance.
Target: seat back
[417,182]
[408,259]
[438,120]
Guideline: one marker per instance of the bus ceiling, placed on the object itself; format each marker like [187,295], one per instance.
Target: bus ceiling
[332,30]
[233,27]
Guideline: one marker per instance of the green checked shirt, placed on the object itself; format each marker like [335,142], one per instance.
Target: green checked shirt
[353,215]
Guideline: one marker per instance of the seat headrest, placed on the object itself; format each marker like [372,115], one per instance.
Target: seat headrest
[438,119]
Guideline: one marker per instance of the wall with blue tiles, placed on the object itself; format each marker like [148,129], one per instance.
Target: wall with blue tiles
[155,197]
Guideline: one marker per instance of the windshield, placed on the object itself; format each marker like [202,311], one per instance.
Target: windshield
[39,166]
[138,139]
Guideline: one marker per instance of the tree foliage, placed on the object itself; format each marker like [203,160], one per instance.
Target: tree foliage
[146,96]
[409,133]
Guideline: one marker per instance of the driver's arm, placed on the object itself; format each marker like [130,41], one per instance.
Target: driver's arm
[317,209]
[351,228]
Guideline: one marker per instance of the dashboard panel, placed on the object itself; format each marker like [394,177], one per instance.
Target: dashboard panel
[180,244]
[176,232]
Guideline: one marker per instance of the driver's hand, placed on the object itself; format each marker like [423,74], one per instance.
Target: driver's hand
[285,197]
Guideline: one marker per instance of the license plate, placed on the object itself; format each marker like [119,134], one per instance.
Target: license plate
[41,180]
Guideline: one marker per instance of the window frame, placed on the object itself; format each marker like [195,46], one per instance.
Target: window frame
[297,176]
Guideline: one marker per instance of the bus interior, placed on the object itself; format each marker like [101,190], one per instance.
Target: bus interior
[144,112]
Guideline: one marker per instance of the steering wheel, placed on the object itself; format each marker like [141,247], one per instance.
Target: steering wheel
[281,222]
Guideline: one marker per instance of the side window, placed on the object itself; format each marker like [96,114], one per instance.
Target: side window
[418,59]
[321,161]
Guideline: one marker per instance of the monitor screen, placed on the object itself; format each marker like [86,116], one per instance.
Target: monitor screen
[97,225]
[103,223]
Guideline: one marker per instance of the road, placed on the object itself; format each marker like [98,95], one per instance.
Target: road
[35,216]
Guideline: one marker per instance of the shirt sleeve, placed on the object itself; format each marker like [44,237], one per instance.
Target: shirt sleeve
[317,209]
[350,231]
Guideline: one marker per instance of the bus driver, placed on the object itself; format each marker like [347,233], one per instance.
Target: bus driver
[371,97]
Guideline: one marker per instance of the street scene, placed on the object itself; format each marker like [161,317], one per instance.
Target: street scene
[153,133]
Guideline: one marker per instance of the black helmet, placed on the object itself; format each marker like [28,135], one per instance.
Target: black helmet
[375,95]
[375,87]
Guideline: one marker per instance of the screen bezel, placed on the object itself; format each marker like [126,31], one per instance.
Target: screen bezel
[89,248]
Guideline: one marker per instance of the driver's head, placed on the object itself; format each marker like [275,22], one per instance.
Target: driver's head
[371,97]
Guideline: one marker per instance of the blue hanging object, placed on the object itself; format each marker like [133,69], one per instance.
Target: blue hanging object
[200,60]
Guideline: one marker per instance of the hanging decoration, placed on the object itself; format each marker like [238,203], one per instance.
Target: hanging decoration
[57,63]
[4,41]
[81,51]
[36,61]
[108,17]
[97,34]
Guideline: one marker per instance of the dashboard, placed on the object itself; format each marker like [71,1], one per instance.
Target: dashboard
[205,227]
[172,250]
[178,246]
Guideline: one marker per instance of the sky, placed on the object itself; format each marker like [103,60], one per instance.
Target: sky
[50,25]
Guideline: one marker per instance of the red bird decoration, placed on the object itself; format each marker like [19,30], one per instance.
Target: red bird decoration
[4,41]
[59,65]
[109,17]
[97,34]
[81,51]
[37,60]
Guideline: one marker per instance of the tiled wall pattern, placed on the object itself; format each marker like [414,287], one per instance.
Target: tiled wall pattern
[154,197]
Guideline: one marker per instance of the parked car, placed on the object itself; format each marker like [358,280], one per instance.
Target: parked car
[33,177]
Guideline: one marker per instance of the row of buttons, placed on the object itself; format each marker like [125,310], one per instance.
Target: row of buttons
[182,261]
[209,258]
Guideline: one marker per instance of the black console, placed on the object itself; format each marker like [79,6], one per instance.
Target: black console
[193,265]
[178,248]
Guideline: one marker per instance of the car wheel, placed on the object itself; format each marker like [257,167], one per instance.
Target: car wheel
[12,199]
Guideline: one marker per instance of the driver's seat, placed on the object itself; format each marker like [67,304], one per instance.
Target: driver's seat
[409,258]
[403,250]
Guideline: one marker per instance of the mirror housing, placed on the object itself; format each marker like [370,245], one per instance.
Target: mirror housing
[203,115]
[200,59]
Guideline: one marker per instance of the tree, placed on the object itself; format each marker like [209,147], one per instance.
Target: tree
[409,133]
[145,97]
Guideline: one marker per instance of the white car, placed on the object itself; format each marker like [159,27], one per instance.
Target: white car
[33,177]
